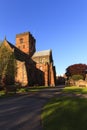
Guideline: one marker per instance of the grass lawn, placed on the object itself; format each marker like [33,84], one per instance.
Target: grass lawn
[32,89]
[65,113]
[23,90]
[75,90]
[3,95]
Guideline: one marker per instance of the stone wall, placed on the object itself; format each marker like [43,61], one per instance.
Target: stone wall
[32,71]
[26,43]
[81,83]
[21,76]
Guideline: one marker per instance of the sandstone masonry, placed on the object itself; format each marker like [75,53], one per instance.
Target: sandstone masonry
[33,68]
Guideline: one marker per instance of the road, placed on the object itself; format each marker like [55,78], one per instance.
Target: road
[23,112]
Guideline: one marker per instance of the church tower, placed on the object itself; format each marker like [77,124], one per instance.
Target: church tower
[26,43]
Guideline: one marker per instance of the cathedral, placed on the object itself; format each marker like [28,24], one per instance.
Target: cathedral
[33,68]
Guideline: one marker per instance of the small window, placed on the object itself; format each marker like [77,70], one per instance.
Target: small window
[23,46]
[21,40]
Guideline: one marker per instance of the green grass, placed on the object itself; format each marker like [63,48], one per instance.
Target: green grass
[65,113]
[3,95]
[32,89]
[75,90]
[22,90]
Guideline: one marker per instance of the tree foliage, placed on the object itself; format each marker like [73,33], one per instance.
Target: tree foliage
[76,69]
[7,66]
[77,77]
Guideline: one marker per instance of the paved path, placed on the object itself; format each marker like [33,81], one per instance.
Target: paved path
[24,112]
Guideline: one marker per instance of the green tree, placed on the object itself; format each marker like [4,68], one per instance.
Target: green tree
[7,65]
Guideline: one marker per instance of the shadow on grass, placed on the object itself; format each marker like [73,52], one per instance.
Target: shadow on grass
[65,113]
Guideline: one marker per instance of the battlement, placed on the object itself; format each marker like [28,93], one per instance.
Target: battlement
[25,33]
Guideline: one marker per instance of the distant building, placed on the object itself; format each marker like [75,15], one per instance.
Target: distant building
[33,68]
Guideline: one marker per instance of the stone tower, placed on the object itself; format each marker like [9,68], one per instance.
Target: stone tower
[26,43]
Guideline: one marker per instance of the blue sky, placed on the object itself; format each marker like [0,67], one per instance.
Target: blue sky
[60,25]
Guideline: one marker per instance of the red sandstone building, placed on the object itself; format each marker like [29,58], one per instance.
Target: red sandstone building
[33,68]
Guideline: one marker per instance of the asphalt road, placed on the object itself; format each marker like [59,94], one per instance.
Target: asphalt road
[23,112]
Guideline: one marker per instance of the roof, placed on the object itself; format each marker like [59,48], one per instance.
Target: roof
[42,53]
[18,53]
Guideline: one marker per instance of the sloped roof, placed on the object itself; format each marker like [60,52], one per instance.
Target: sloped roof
[42,53]
[20,55]
[17,52]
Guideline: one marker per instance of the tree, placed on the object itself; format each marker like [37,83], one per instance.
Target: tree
[76,69]
[7,66]
[77,77]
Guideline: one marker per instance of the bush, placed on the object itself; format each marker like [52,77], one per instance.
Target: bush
[77,77]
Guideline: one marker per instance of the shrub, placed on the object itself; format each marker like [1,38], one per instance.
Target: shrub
[77,77]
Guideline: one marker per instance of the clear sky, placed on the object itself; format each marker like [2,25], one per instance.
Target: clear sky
[60,25]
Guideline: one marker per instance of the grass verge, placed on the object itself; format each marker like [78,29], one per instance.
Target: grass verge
[23,90]
[32,89]
[4,95]
[75,90]
[65,113]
